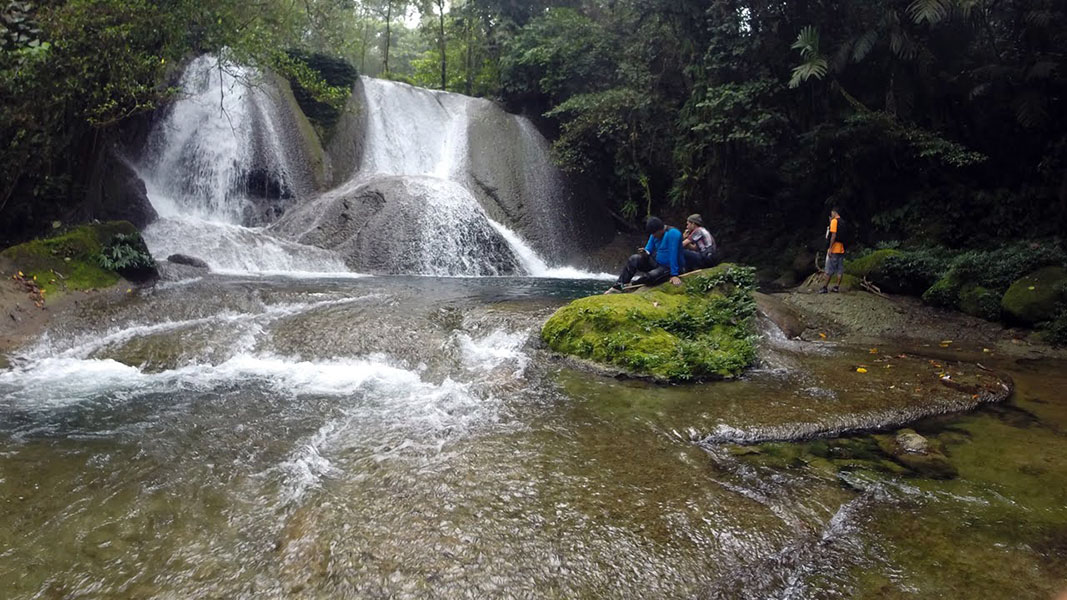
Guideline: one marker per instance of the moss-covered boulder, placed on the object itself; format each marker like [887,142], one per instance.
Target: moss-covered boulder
[1035,297]
[945,292]
[871,266]
[980,302]
[701,330]
[72,260]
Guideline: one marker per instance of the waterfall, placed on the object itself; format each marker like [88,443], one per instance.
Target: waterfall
[432,193]
[448,185]
[218,162]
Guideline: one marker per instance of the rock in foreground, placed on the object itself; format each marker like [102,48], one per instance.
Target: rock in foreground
[698,331]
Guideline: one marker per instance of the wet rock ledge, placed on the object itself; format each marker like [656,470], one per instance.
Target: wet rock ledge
[701,330]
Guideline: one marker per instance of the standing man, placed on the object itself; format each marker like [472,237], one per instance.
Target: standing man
[659,259]
[835,253]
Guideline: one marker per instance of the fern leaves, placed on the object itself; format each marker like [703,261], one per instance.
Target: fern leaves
[815,64]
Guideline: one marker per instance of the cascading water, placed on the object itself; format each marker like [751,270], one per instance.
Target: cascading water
[410,207]
[217,162]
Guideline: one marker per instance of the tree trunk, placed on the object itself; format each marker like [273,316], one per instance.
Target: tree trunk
[388,32]
[444,56]
[470,57]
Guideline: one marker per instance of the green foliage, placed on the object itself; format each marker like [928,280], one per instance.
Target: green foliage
[1056,332]
[321,84]
[815,64]
[913,272]
[125,252]
[702,332]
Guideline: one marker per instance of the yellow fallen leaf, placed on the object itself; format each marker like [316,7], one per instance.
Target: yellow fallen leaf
[874,350]
[986,350]
[822,335]
[1031,288]
[20,274]
[946,342]
[35,278]
[128,290]
[861,370]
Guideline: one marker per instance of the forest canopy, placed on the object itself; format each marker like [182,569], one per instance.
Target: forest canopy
[934,120]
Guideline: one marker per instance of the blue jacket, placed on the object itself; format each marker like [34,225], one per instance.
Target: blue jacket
[668,250]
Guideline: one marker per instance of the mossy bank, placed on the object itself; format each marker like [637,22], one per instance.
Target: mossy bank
[93,256]
[701,330]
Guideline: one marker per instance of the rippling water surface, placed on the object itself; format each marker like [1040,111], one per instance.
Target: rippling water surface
[408,437]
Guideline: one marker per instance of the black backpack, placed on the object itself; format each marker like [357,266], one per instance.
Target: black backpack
[846,233]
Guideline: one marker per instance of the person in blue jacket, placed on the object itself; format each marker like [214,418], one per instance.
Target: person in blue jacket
[660,258]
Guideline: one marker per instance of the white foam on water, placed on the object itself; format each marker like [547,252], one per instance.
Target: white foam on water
[233,249]
[61,381]
[497,348]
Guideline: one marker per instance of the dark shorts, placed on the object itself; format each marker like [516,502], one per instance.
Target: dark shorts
[835,264]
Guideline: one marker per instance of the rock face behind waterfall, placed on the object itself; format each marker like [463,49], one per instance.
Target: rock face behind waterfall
[512,174]
[394,225]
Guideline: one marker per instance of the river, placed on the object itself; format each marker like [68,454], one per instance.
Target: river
[408,437]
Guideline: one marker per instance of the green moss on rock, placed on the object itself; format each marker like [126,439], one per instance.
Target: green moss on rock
[69,261]
[1035,297]
[980,302]
[701,330]
[945,292]
[871,265]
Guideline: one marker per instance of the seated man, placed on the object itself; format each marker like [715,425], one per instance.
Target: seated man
[659,259]
[698,246]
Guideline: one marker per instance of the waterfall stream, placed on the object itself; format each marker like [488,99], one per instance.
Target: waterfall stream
[220,165]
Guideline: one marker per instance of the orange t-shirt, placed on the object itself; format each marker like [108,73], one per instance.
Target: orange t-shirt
[838,247]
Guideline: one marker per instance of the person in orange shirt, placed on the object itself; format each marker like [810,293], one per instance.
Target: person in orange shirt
[835,253]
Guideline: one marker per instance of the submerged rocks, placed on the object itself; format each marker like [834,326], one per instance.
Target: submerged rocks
[918,454]
[701,330]
[1036,297]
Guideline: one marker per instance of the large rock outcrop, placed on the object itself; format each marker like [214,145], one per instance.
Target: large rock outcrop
[117,193]
[403,225]
[511,173]
[698,331]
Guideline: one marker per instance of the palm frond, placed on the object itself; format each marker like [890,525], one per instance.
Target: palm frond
[864,44]
[930,11]
[807,42]
[815,67]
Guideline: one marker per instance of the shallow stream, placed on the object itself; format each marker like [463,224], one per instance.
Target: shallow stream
[409,437]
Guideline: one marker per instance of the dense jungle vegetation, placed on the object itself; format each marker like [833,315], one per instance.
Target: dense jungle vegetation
[932,121]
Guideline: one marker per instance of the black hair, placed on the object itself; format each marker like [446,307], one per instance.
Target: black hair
[653,225]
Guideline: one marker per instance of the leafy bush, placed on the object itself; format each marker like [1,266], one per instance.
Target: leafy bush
[126,254]
[914,271]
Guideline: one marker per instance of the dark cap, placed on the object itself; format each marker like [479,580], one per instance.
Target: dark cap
[695,218]
[653,225]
